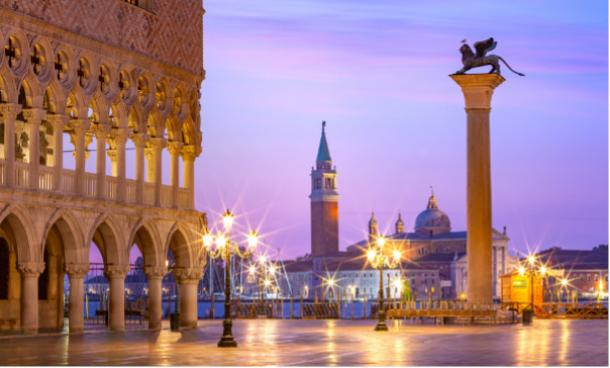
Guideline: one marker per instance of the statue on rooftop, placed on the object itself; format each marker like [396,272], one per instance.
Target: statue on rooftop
[471,59]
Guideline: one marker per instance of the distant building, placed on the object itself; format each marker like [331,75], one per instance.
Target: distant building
[324,203]
[354,278]
[586,270]
[435,245]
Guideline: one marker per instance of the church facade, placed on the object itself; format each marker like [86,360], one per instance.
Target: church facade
[433,243]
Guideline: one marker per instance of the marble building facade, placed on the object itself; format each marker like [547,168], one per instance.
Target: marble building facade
[92,77]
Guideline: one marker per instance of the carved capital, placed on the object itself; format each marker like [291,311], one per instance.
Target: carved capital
[155,271]
[101,130]
[139,139]
[116,271]
[79,125]
[33,115]
[188,275]
[156,142]
[32,269]
[190,152]
[118,137]
[77,270]
[174,148]
[58,121]
[10,110]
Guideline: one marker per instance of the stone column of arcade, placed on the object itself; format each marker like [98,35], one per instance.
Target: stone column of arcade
[478,90]
[77,273]
[30,271]
[154,276]
[188,279]
[116,276]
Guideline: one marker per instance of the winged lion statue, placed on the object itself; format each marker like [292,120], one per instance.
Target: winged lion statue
[472,59]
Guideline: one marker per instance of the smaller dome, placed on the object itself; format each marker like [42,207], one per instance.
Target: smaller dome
[432,220]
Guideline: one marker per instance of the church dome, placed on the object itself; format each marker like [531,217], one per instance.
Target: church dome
[432,221]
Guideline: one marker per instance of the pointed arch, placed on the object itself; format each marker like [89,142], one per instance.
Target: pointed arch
[70,234]
[146,237]
[15,225]
[104,233]
[178,243]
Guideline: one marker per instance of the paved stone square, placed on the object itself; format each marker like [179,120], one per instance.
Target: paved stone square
[275,342]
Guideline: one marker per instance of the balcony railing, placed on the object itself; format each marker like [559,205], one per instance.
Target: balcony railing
[68,186]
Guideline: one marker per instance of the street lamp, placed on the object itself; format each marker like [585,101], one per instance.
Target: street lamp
[221,246]
[531,268]
[379,257]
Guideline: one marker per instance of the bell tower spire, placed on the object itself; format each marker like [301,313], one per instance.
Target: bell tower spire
[324,202]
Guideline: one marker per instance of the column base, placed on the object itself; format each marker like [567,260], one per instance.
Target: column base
[227,340]
[381,326]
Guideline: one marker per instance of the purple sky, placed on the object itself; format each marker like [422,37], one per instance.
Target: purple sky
[376,71]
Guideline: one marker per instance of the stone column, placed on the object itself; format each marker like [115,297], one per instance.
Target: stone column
[174,149]
[188,279]
[30,271]
[477,90]
[101,132]
[116,275]
[119,139]
[139,140]
[77,273]
[33,118]
[188,157]
[58,121]
[155,166]
[9,114]
[79,129]
[155,297]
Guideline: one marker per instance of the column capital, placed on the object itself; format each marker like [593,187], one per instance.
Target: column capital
[116,271]
[478,88]
[59,121]
[32,269]
[156,142]
[78,270]
[139,139]
[174,147]
[79,124]
[189,275]
[190,152]
[119,135]
[155,271]
[11,109]
[101,130]
[34,114]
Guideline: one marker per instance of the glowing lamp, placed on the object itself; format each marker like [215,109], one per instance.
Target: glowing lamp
[221,241]
[531,259]
[208,240]
[370,255]
[227,220]
[252,240]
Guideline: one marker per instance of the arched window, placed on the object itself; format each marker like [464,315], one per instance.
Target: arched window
[4,269]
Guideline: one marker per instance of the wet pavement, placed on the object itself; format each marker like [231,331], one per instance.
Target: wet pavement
[276,342]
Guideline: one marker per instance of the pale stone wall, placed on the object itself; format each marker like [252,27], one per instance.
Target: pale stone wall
[112,71]
[169,31]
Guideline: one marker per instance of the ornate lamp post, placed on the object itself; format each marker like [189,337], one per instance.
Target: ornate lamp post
[378,257]
[531,268]
[221,246]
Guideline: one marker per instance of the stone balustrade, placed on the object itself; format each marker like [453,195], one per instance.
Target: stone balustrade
[46,178]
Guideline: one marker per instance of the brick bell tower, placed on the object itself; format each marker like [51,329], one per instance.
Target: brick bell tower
[324,203]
